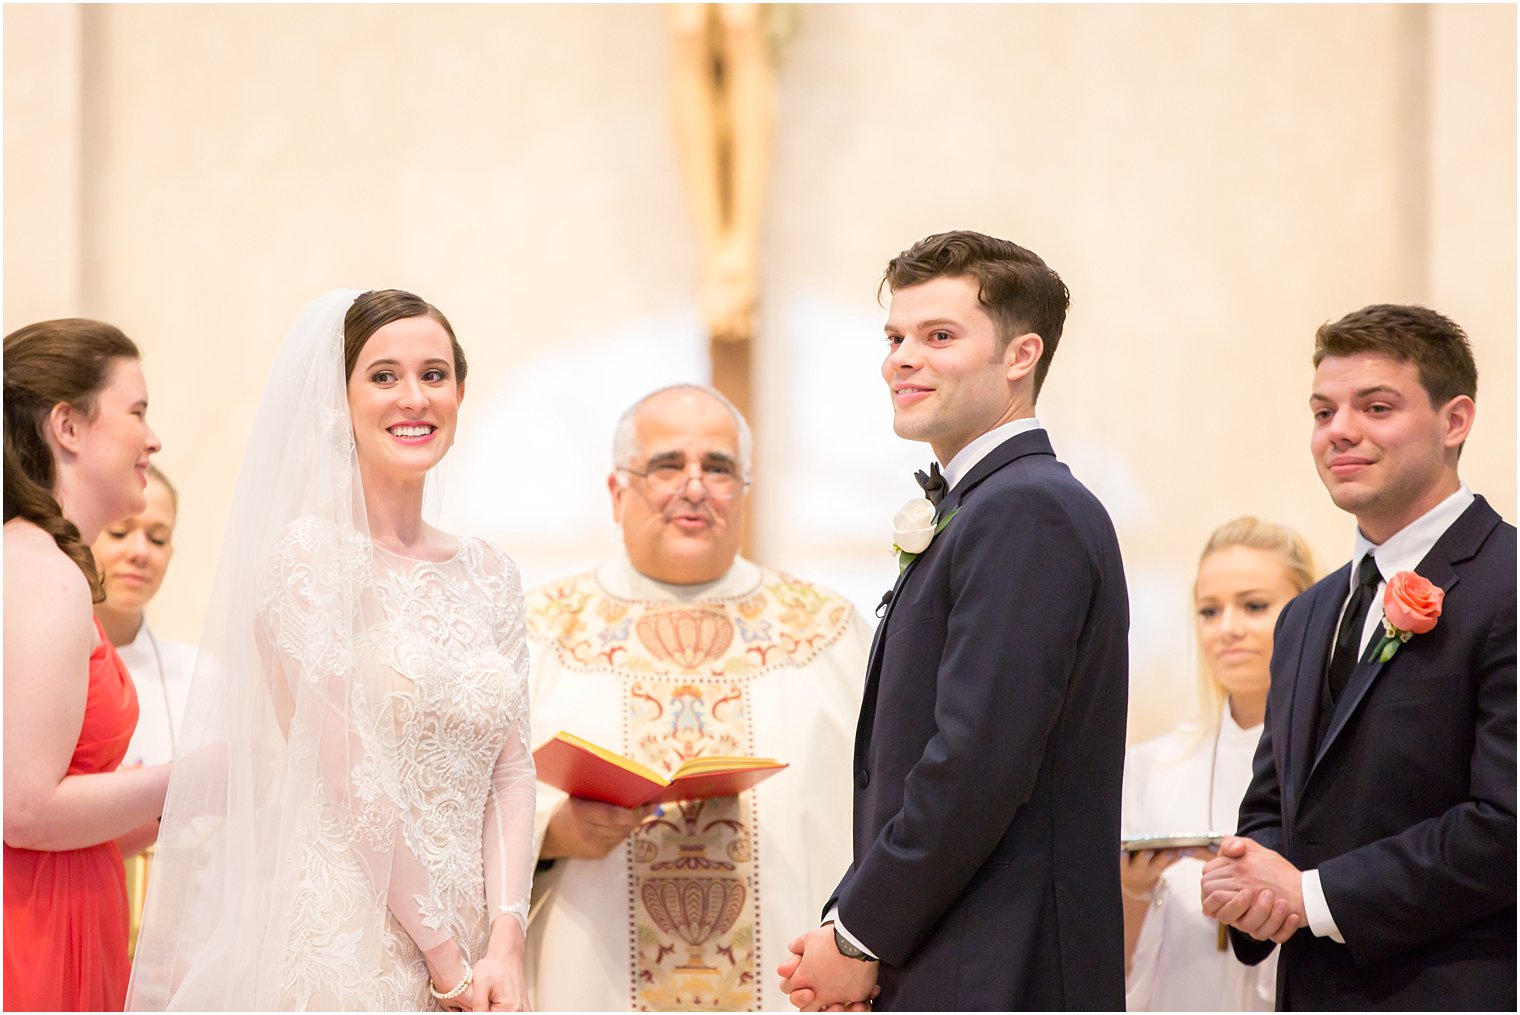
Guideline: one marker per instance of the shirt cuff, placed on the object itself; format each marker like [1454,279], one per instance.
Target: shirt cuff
[833,914]
[1317,908]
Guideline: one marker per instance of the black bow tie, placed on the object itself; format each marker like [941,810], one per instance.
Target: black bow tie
[933,483]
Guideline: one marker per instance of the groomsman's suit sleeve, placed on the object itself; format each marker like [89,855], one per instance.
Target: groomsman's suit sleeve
[1261,808]
[1442,874]
[1021,581]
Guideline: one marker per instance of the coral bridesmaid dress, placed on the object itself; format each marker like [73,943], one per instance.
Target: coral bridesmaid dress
[66,910]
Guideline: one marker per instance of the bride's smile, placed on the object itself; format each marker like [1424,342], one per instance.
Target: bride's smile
[403,397]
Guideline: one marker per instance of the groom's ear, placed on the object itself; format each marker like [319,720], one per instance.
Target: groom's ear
[1023,355]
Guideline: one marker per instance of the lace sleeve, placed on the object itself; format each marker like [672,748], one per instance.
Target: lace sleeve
[326,702]
[508,839]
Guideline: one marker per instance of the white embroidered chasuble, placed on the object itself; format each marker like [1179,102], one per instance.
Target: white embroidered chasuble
[695,910]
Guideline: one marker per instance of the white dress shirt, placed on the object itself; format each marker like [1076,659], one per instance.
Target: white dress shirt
[967,457]
[1403,551]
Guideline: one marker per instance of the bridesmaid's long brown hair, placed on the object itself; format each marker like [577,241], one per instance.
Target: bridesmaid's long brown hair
[64,361]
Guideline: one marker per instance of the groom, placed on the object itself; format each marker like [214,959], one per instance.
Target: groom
[989,750]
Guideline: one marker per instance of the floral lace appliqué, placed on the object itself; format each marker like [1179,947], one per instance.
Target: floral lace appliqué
[443,685]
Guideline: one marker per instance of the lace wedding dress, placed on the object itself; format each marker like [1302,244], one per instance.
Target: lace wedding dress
[450,654]
[353,784]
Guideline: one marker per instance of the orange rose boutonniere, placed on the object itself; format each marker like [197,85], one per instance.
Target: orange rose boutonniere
[1411,606]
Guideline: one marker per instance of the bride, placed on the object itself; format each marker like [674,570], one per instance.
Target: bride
[349,825]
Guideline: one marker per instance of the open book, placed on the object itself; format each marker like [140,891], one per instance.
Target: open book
[583,769]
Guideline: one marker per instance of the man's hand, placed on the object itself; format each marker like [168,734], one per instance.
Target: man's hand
[818,978]
[1255,890]
[582,829]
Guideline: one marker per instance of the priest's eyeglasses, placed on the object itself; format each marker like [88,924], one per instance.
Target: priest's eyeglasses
[721,479]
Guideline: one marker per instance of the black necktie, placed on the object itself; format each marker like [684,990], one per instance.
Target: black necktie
[1348,640]
[933,483]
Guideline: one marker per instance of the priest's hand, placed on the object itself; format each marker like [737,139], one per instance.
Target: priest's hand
[818,978]
[1253,889]
[582,829]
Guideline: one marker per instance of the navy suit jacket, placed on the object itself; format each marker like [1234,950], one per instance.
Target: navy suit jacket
[1407,807]
[990,751]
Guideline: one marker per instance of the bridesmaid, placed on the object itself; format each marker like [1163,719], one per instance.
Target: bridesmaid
[77,443]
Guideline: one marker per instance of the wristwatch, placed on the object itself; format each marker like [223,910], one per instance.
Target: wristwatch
[848,950]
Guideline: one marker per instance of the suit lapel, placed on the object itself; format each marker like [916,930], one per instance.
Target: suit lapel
[873,666]
[1313,651]
[880,635]
[1368,670]
[1031,442]
[1458,543]
[873,672]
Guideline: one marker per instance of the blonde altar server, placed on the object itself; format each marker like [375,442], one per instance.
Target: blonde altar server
[676,649]
[1191,780]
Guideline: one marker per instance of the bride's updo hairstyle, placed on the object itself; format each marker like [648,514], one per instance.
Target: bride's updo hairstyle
[375,309]
[51,362]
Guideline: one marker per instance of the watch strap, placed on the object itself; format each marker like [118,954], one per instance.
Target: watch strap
[847,949]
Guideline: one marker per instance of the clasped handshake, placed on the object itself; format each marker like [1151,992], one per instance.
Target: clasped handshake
[1246,886]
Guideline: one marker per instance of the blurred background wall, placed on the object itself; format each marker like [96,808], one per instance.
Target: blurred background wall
[1212,182]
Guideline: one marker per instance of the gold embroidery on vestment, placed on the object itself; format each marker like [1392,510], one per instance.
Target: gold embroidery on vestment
[685,669]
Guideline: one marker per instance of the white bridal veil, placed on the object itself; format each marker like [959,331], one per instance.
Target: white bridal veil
[285,735]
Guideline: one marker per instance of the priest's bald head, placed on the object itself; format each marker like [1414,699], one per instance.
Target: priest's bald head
[679,482]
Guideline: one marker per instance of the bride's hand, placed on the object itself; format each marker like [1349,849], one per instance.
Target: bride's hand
[498,985]
[446,968]
[464,1002]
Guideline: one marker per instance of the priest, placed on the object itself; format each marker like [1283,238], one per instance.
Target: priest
[678,648]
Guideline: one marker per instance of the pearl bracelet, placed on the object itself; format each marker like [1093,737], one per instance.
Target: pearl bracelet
[459,988]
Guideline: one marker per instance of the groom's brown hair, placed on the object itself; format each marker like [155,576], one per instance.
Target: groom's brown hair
[1020,292]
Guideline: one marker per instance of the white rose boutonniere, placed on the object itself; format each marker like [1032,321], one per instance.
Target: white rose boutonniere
[914,528]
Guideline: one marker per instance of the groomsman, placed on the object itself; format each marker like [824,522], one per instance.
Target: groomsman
[990,747]
[1379,829]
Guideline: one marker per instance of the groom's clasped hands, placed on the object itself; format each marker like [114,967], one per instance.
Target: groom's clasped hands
[818,978]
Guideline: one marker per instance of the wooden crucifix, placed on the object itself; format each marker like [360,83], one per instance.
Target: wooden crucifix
[724,98]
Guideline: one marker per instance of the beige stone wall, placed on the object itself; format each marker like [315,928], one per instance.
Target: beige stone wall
[44,86]
[1212,181]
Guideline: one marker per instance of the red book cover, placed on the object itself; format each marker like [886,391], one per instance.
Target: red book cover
[584,769]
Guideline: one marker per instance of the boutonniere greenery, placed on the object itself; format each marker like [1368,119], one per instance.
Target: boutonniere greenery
[1411,606]
[914,528]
